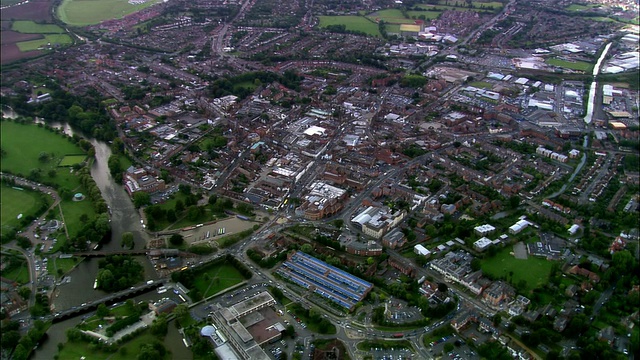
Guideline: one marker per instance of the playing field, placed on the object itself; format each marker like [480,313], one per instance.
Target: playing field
[390,16]
[351,23]
[15,202]
[90,12]
[217,278]
[535,271]
[70,160]
[30,27]
[573,65]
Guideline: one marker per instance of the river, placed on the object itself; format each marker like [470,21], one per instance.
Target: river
[124,218]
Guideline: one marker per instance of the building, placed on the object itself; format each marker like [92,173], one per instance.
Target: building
[518,226]
[325,280]
[137,179]
[497,294]
[377,221]
[421,250]
[322,200]
[484,230]
[482,244]
[394,239]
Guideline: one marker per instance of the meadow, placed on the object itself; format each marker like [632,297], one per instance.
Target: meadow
[91,12]
[351,23]
[534,271]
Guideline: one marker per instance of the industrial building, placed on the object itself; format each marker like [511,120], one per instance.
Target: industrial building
[325,280]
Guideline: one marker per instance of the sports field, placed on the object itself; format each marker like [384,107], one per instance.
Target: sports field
[573,65]
[72,211]
[70,160]
[217,278]
[31,27]
[351,23]
[534,271]
[15,202]
[91,12]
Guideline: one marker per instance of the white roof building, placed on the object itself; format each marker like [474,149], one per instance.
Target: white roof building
[482,244]
[483,230]
[421,250]
[519,226]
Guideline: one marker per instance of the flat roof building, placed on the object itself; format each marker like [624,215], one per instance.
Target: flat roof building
[325,280]
[485,229]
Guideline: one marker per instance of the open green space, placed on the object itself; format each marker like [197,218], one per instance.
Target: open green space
[428,15]
[30,27]
[73,211]
[581,7]
[534,271]
[65,265]
[351,23]
[390,16]
[81,349]
[48,40]
[18,270]
[70,160]
[245,84]
[573,65]
[90,12]
[481,85]
[217,278]
[15,202]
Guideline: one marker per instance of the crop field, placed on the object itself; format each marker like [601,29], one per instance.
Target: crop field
[534,271]
[573,65]
[70,160]
[217,278]
[91,12]
[52,39]
[30,27]
[351,23]
[15,202]
[36,10]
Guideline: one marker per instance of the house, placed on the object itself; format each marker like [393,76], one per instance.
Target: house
[607,334]
[498,293]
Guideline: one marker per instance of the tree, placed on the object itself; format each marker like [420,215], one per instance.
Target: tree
[306,248]
[160,327]
[442,287]
[102,311]
[179,206]
[176,240]
[448,347]
[127,240]
[24,292]
[141,198]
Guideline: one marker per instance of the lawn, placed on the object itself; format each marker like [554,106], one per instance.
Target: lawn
[72,211]
[49,40]
[573,65]
[15,202]
[78,350]
[351,23]
[90,12]
[23,145]
[70,160]
[217,278]
[64,264]
[30,27]
[535,271]
[19,274]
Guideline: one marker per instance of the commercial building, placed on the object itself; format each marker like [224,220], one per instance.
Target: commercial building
[322,200]
[376,221]
[484,230]
[519,226]
[325,280]
[482,244]
[421,250]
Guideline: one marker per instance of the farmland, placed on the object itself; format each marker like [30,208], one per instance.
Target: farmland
[87,12]
[48,40]
[30,27]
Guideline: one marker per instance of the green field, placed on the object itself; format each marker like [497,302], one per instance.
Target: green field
[428,15]
[352,23]
[91,12]
[63,264]
[19,274]
[573,65]
[30,27]
[535,271]
[390,16]
[49,39]
[72,211]
[577,7]
[22,152]
[70,160]
[217,278]
[14,202]
[481,85]
[77,350]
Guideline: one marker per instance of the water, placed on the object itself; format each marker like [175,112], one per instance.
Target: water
[594,86]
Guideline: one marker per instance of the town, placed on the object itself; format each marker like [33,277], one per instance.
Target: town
[251,179]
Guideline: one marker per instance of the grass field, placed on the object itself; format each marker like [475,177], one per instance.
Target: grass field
[72,211]
[217,278]
[30,27]
[390,16]
[351,23]
[19,274]
[70,160]
[22,152]
[52,39]
[15,202]
[64,264]
[573,65]
[90,12]
[577,7]
[428,15]
[481,85]
[77,350]
[535,271]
